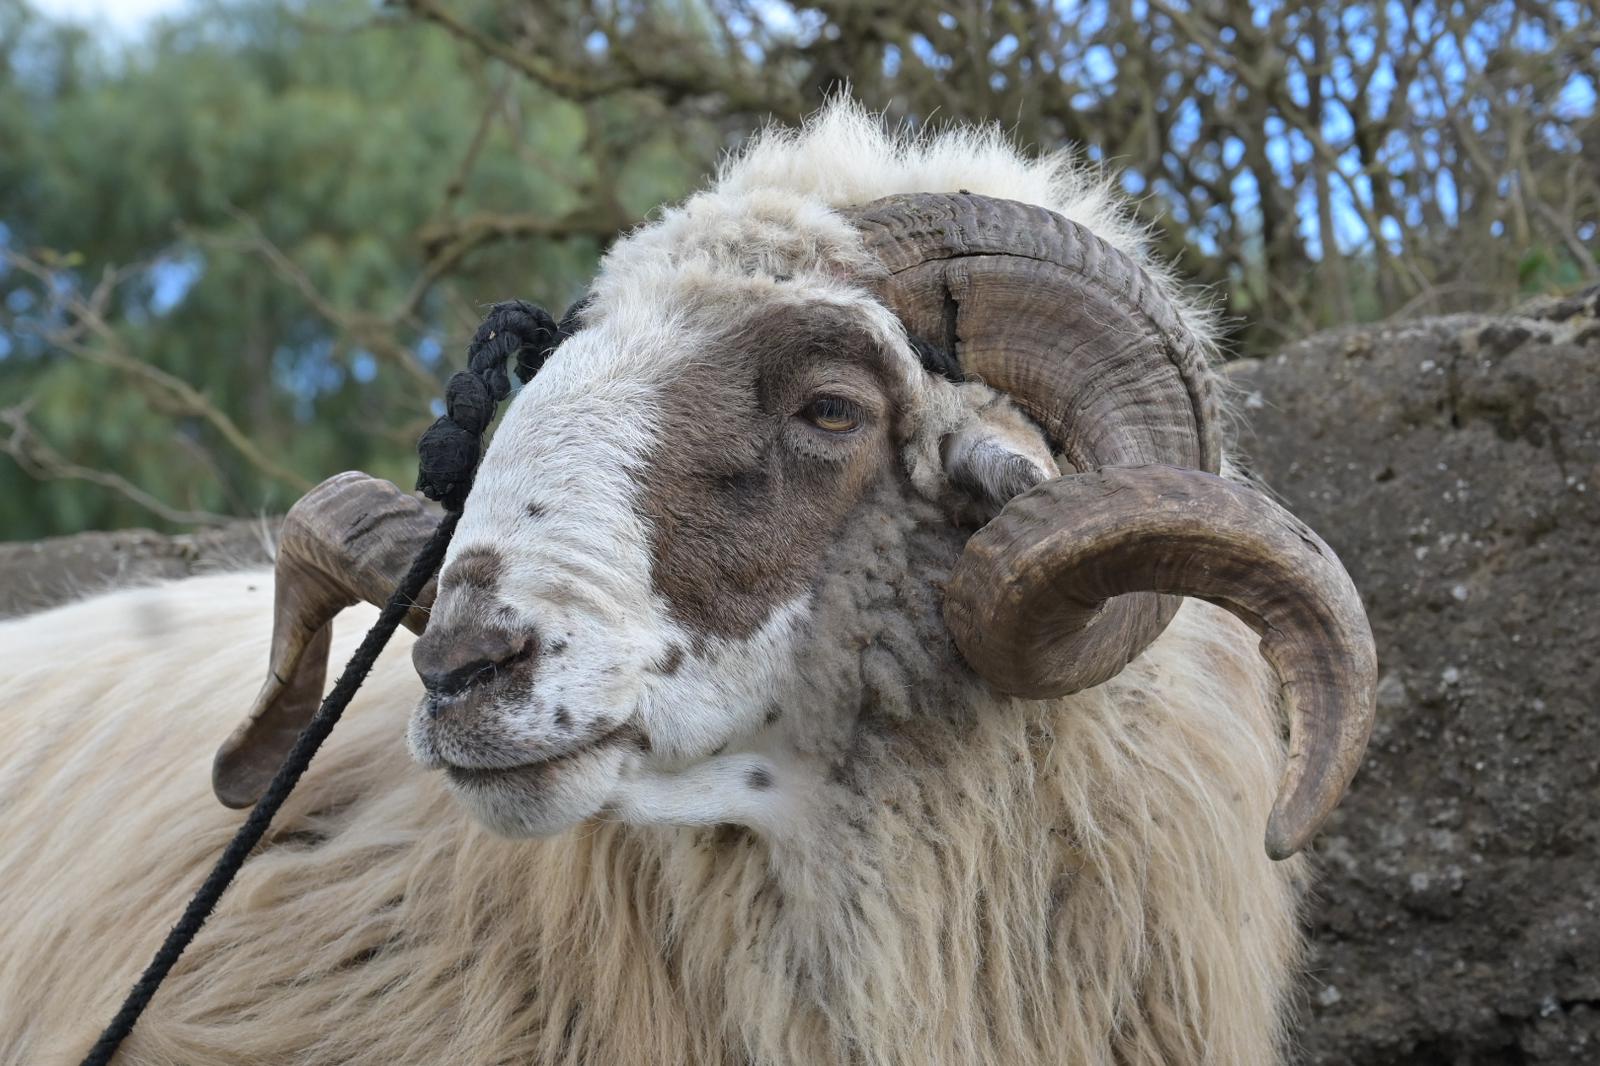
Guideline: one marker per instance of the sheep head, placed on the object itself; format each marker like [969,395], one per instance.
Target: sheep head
[633,572]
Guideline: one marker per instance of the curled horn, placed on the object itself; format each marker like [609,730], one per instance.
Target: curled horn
[1074,579]
[349,539]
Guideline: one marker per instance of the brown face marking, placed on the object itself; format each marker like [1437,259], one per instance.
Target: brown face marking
[742,495]
[670,662]
[475,568]
[758,778]
[632,734]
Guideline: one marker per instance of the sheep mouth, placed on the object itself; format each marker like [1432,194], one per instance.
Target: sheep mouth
[538,771]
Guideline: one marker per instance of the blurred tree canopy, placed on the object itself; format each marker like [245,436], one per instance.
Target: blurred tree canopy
[242,252]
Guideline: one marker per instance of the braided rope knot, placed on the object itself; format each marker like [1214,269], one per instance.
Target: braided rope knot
[448,453]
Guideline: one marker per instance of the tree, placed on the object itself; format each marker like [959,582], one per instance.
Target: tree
[245,253]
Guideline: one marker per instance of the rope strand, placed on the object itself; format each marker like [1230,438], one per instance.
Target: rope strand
[448,455]
[283,782]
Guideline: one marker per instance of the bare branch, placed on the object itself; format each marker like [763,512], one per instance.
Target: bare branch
[373,332]
[90,337]
[742,90]
[42,462]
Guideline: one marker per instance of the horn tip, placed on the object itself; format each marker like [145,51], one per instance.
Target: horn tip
[236,778]
[233,786]
[1288,834]
[1281,847]
[236,773]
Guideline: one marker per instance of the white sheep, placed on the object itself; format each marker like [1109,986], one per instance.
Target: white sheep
[814,773]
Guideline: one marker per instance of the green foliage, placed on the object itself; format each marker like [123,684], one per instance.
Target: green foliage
[248,120]
[300,207]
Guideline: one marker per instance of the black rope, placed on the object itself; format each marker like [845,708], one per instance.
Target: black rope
[448,456]
[283,782]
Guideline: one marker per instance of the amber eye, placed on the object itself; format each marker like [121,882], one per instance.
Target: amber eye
[832,414]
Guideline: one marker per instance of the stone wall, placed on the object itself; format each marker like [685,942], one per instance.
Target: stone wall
[1454,464]
[43,573]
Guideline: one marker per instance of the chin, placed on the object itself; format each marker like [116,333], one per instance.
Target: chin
[542,799]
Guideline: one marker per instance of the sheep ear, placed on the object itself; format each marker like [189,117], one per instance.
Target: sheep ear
[996,455]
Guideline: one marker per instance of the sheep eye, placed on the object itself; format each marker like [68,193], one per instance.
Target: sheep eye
[832,414]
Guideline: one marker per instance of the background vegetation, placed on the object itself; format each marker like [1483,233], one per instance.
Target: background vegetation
[242,250]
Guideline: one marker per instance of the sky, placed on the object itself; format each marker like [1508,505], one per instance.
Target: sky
[123,16]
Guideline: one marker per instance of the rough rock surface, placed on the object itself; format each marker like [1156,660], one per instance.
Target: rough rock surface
[47,572]
[1454,464]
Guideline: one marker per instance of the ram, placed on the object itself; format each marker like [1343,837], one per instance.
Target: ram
[810,680]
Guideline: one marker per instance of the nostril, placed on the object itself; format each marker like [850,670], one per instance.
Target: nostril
[455,680]
[451,663]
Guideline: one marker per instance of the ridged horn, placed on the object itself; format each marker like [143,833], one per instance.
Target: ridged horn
[1079,337]
[1045,567]
[350,539]
[1075,578]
